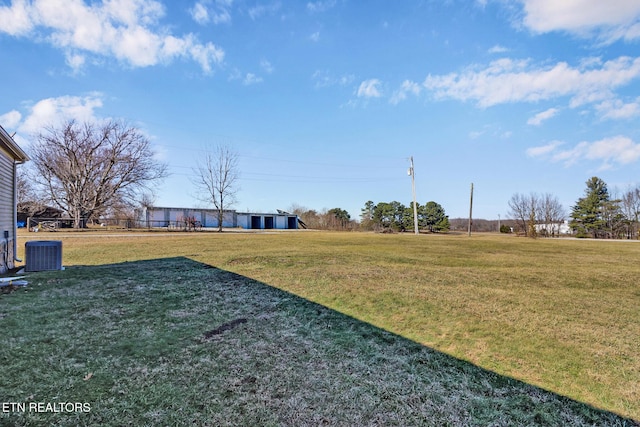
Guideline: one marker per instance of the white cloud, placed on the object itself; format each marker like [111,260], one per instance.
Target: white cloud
[75,61]
[324,78]
[127,30]
[609,20]
[542,116]
[51,111]
[616,109]
[10,120]
[630,33]
[216,11]
[315,37]
[407,87]
[251,79]
[508,80]
[15,19]
[264,9]
[266,66]
[617,150]
[199,13]
[475,134]
[543,149]
[498,49]
[247,79]
[369,89]
[321,5]
[346,79]
[206,55]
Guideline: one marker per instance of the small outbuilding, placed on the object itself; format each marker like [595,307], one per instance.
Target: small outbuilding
[11,155]
[267,221]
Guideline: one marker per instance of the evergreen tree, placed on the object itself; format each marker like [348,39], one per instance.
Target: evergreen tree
[587,216]
[389,215]
[366,216]
[339,218]
[434,218]
[396,216]
[383,215]
[407,218]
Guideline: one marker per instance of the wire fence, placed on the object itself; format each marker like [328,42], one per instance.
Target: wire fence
[34,224]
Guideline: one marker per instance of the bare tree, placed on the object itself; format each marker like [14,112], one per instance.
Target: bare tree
[520,211]
[89,168]
[536,214]
[631,211]
[29,200]
[216,178]
[527,211]
[552,214]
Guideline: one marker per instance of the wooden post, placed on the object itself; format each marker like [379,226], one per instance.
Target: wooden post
[471,210]
[413,191]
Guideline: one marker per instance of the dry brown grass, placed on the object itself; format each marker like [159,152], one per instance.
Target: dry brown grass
[560,314]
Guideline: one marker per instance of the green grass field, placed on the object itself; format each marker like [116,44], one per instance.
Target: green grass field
[306,328]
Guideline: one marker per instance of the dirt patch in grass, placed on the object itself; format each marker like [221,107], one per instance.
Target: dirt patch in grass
[128,340]
[224,327]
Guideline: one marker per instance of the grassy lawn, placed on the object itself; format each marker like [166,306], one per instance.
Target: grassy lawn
[327,328]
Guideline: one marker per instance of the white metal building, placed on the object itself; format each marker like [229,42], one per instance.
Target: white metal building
[558,228]
[208,218]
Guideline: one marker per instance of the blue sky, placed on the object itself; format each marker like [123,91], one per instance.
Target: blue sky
[325,101]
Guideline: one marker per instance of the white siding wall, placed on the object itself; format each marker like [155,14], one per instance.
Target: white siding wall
[155,216]
[6,211]
[162,217]
[244,220]
[210,219]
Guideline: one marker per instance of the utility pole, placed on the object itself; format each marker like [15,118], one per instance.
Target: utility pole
[499,223]
[412,174]
[471,210]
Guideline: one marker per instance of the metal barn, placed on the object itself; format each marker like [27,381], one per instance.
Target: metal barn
[208,218]
[267,221]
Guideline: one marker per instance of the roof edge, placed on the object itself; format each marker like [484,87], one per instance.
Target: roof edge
[7,141]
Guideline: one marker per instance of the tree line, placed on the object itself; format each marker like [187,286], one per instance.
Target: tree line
[326,219]
[381,217]
[93,170]
[598,214]
[602,215]
[394,216]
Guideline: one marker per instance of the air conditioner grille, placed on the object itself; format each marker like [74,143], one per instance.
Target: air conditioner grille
[43,255]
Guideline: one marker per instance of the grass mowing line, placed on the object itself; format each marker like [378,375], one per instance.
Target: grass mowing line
[559,314]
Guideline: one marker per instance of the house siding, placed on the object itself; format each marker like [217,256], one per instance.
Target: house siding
[6,211]
[10,153]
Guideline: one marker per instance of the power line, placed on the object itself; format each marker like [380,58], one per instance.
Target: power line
[386,159]
[267,177]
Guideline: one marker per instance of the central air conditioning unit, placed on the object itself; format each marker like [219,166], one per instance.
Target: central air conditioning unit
[43,255]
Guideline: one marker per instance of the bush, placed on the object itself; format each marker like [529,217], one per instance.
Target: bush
[505,229]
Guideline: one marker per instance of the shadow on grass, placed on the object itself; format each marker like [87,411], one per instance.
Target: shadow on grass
[177,342]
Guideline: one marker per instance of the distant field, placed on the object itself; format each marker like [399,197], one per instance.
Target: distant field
[563,315]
